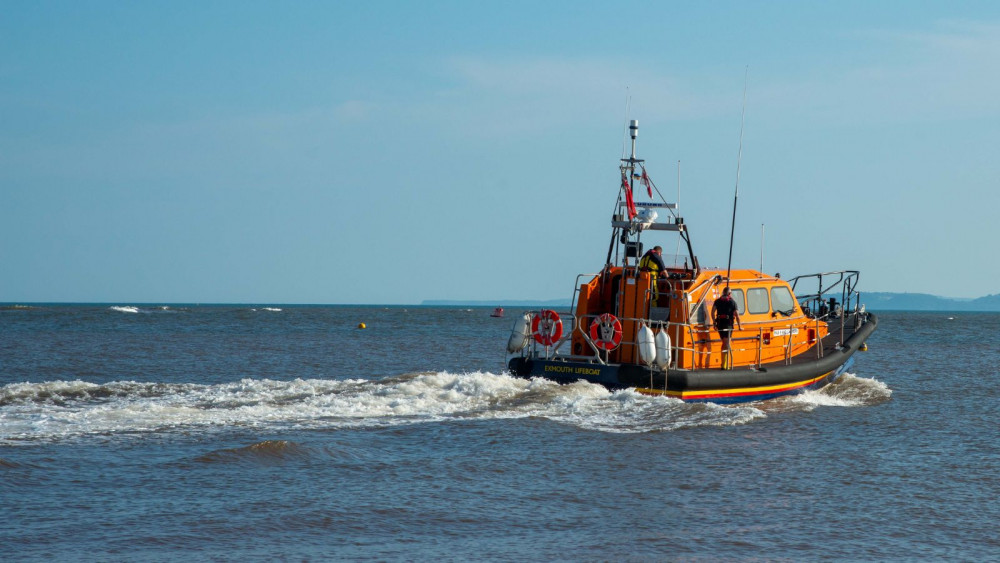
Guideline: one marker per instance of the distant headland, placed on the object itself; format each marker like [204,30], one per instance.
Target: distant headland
[874,301]
[500,303]
[925,302]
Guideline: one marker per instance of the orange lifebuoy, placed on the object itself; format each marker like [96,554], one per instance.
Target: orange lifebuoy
[606,332]
[546,327]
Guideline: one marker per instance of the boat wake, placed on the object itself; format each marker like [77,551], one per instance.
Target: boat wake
[61,410]
[848,391]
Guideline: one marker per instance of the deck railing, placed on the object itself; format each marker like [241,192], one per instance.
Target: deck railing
[699,332]
[827,308]
[699,337]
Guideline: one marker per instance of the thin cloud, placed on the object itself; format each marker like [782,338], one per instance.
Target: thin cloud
[953,36]
[354,110]
[510,95]
[952,72]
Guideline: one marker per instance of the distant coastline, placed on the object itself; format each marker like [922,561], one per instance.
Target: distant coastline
[499,303]
[874,301]
[885,301]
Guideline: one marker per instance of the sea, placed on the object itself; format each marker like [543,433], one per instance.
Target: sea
[138,432]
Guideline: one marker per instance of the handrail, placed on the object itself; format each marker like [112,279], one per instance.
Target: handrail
[578,324]
[576,289]
[788,346]
[846,279]
[695,331]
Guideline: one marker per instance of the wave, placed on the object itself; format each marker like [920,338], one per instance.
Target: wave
[132,309]
[59,410]
[268,452]
[8,464]
[848,391]
[124,308]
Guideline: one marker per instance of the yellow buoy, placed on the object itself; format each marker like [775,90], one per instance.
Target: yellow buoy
[362,325]
[864,347]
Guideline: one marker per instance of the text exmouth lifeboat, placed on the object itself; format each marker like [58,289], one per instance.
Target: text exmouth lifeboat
[667,326]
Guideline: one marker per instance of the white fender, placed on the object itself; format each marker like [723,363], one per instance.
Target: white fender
[520,334]
[647,346]
[663,349]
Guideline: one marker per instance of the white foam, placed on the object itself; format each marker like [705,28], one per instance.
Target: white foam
[272,309]
[848,391]
[124,309]
[72,409]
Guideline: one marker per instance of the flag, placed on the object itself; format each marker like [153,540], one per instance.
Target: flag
[648,183]
[629,202]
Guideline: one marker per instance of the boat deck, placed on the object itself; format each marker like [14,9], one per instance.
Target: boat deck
[832,343]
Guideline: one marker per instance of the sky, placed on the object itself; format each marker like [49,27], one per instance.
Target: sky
[391,152]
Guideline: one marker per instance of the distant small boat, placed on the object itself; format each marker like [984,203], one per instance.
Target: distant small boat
[498,312]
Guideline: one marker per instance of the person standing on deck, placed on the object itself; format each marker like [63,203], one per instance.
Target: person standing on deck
[652,262]
[724,313]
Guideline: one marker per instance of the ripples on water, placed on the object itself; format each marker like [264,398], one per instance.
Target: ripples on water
[262,432]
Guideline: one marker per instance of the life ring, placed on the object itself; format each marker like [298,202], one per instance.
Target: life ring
[546,327]
[606,332]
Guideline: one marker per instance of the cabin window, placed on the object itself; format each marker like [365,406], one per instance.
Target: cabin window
[741,302]
[698,315]
[757,301]
[782,299]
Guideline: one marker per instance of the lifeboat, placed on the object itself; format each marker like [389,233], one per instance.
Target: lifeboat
[630,327]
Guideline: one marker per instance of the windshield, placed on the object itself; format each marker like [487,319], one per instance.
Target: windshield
[781,300]
[757,300]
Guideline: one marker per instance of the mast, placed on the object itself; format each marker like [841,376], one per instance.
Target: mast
[625,227]
[628,164]
[633,129]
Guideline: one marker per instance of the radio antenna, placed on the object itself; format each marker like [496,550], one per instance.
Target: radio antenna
[677,210]
[628,102]
[762,247]
[678,202]
[739,159]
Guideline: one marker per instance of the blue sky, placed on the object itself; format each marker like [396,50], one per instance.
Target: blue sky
[390,152]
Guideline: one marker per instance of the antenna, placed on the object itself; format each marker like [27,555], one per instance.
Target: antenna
[678,202]
[739,160]
[762,247]
[678,208]
[628,102]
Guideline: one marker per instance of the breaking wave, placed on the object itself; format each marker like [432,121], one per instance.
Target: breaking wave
[124,308]
[61,410]
[848,391]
